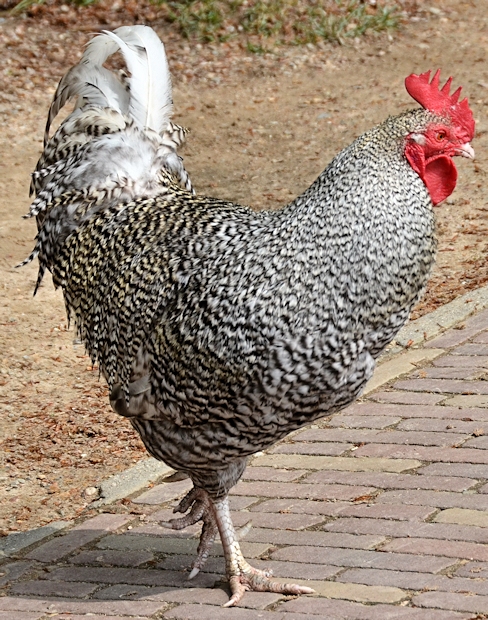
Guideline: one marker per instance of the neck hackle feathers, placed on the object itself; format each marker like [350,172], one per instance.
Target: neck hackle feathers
[438,100]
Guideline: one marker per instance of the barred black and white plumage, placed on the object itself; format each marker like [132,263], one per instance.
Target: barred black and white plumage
[220,329]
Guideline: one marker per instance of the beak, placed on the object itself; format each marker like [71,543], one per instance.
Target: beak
[466,150]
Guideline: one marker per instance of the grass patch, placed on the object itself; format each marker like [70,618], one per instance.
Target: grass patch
[264,24]
[23,5]
[289,22]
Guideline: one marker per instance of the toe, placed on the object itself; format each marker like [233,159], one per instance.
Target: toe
[238,590]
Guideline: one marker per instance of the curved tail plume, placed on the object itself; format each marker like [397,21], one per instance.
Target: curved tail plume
[117,145]
[146,96]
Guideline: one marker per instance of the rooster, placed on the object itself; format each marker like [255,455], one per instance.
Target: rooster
[220,329]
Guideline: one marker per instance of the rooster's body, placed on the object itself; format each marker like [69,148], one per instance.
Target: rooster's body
[220,329]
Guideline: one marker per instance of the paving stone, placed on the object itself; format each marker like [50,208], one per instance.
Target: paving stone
[481,338]
[409,411]
[440,499]
[289,522]
[434,425]
[298,570]
[219,596]
[112,558]
[414,581]
[314,538]
[211,612]
[383,527]
[299,506]
[70,606]
[134,592]
[358,436]
[398,512]
[481,443]
[454,337]
[21,615]
[17,541]
[392,481]
[361,421]
[301,490]
[278,521]
[164,492]
[94,617]
[330,609]
[463,517]
[405,398]
[293,570]
[471,349]
[468,470]
[424,453]
[272,474]
[53,588]
[468,402]
[135,576]
[363,559]
[445,372]
[179,546]
[443,386]
[356,592]
[399,364]
[339,463]
[12,571]
[326,449]
[237,502]
[449,548]
[462,361]
[474,570]
[456,602]
[78,536]
[477,321]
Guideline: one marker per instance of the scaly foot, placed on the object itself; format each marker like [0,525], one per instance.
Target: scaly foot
[255,580]
[199,504]
[241,575]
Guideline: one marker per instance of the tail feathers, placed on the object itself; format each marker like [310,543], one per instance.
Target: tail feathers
[151,101]
[117,145]
[93,85]
[63,149]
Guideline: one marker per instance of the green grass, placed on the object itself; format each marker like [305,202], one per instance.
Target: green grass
[280,21]
[266,23]
[23,5]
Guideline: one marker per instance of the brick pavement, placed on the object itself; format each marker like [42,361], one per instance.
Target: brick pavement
[383,509]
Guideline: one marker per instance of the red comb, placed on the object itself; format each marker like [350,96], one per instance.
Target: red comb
[438,100]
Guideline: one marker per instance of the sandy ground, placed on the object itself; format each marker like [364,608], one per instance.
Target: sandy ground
[262,129]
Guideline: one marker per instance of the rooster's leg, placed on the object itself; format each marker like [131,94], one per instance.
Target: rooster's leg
[241,575]
[199,504]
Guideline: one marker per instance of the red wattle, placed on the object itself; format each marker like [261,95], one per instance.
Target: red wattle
[438,173]
[440,178]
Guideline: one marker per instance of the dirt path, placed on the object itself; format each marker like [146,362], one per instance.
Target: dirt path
[262,130]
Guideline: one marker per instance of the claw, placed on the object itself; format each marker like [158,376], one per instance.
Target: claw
[238,590]
[198,503]
[191,497]
[243,531]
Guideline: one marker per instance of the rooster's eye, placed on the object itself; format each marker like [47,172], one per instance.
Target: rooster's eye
[440,135]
